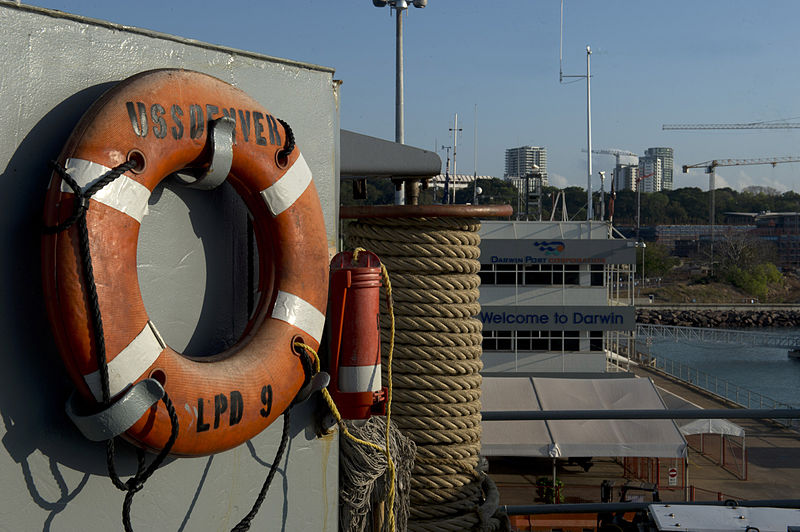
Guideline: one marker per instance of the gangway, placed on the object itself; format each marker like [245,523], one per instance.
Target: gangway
[719,336]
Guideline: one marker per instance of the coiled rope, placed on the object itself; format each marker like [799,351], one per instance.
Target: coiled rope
[437,349]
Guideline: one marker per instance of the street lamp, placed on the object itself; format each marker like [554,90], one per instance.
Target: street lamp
[643,246]
[399,6]
[602,196]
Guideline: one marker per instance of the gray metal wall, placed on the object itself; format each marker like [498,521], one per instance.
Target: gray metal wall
[191,262]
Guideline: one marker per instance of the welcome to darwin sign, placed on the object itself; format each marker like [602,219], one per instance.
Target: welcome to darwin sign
[558,318]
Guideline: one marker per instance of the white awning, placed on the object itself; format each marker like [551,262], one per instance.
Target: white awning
[576,438]
[699,426]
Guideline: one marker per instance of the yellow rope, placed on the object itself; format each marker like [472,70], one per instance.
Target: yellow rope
[338,416]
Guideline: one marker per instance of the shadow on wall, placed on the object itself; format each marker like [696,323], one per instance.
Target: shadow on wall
[33,384]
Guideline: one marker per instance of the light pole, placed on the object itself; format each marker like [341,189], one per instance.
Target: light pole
[399,6]
[446,194]
[589,210]
[475,159]
[639,201]
[456,130]
[644,247]
[641,244]
[602,196]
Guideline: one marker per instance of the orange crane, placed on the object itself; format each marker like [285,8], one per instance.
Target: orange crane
[612,151]
[639,200]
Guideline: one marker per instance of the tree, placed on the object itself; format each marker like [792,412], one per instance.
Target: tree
[657,260]
[380,191]
[494,191]
[745,262]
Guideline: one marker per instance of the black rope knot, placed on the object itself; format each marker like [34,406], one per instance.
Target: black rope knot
[284,153]
[81,202]
[132,485]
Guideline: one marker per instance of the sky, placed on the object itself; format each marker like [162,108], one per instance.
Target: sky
[496,65]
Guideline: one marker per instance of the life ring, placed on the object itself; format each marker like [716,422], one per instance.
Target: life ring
[160,119]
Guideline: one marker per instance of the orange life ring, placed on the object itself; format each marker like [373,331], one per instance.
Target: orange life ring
[162,117]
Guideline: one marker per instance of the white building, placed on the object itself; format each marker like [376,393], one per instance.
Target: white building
[550,296]
[625,176]
[666,156]
[651,167]
[526,160]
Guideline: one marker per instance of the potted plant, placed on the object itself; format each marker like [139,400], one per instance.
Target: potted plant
[546,493]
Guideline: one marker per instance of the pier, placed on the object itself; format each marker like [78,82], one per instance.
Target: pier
[719,336]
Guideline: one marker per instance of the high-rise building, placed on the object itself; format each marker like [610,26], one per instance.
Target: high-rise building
[625,176]
[650,166]
[520,161]
[666,156]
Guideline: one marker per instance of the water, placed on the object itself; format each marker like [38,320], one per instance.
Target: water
[768,371]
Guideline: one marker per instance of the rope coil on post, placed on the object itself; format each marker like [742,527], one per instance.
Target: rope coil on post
[437,362]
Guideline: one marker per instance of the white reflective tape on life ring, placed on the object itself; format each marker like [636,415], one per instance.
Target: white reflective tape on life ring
[300,313]
[123,194]
[360,378]
[285,191]
[129,364]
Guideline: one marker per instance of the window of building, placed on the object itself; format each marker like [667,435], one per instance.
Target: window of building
[597,275]
[506,274]
[533,340]
[572,274]
[534,274]
[595,340]
[498,340]
[486,274]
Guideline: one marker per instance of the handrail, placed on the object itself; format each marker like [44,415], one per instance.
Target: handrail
[723,336]
[720,387]
[585,508]
[669,413]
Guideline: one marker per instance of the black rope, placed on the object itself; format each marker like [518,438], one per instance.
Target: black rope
[245,523]
[81,205]
[288,147]
[308,369]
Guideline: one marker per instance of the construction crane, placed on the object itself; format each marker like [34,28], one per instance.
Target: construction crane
[710,167]
[749,125]
[612,151]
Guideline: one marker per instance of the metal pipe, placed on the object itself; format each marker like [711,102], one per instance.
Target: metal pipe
[399,135]
[597,507]
[589,208]
[705,413]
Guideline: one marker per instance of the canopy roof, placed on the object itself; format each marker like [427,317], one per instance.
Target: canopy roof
[365,156]
[579,438]
[699,426]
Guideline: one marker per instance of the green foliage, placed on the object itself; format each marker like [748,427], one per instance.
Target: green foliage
[688,205]
[493,192]
[380,191]
[657,260]
[545,491]
[756,279]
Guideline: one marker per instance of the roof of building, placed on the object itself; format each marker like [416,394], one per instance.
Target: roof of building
[574,438]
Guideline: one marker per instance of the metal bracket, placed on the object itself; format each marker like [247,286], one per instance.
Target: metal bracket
[220,135]
[118,417]
[318,382]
